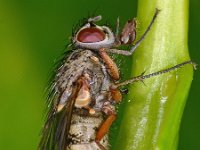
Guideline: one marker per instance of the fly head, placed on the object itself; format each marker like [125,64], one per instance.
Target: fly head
[93,36]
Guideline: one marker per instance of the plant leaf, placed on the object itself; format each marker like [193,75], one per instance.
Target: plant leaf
[152,116]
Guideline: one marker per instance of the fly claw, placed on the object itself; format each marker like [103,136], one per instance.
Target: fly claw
[128,34]
[86,88]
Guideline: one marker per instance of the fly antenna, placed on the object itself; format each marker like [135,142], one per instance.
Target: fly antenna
[95,19]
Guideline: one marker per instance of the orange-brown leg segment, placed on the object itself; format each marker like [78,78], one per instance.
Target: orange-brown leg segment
[112,67]
[105,127]
[116,95]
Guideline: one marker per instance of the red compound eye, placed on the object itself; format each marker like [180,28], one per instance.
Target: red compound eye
[90,35]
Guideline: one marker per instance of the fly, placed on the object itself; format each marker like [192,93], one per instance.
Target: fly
[85,90]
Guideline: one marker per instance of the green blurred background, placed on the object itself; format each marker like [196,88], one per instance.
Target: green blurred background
[34,33]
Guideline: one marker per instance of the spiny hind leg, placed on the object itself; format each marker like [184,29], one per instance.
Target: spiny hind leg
[142,76]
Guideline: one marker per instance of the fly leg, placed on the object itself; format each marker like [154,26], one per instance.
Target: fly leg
[114,73]
[115,95]
[128,36]
[109,110]
[103,130]
[142,76]
[112,67]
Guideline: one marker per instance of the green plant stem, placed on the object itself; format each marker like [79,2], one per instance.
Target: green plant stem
[152,114]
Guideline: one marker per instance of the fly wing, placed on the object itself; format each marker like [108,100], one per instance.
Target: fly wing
[63,92]
[56,128]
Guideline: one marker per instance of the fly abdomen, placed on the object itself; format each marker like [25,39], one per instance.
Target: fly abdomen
[83,131]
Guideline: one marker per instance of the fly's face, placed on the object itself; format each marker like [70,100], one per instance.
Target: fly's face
[92,36]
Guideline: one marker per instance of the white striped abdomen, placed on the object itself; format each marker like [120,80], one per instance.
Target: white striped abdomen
[83,131]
